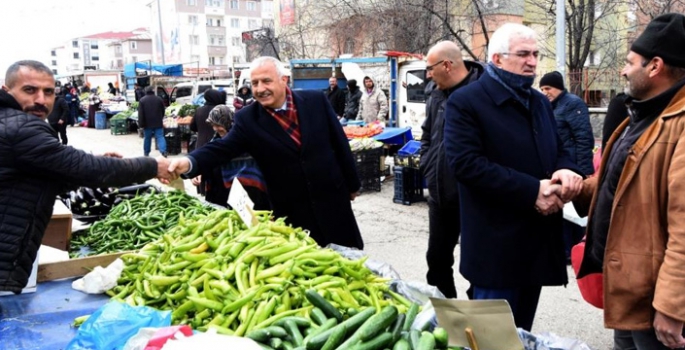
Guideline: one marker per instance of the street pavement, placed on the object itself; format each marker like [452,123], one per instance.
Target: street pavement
[398,234]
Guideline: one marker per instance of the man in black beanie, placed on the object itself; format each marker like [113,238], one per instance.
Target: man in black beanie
[636,227]
[575,132]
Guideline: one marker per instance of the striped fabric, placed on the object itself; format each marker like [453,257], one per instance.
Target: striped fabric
[288,118]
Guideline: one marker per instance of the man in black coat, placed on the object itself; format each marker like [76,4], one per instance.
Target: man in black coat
[138,91]
[204,130]
[514,176]
[336,96]
[352,100]
[150,118]
[59,117]
[35,167]
[449,72]
[302,151]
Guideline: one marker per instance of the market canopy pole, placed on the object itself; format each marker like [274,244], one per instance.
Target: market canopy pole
[560,36]
[161,32]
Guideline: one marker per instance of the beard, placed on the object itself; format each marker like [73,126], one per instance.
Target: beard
[37,108]
[636,87]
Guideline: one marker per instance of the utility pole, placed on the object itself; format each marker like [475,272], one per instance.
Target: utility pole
[561,36]
[161,32]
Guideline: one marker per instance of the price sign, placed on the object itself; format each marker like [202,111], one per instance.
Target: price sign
[240,201]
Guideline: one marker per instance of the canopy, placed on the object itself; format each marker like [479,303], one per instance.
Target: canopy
[174,70]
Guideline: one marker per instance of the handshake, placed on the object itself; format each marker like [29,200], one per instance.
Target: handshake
[555,192]
[169,170]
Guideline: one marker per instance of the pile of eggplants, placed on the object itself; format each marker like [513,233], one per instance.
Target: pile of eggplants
[92,204]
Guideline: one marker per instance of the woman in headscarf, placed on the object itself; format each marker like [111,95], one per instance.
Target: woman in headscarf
[243,98]
[218,183]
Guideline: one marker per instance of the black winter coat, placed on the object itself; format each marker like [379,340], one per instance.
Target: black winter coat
[199,124]
[60,111]
[442,186]
[352,103]
[337,99]
[151,111]
[311,185]
[34,168]
[575,130]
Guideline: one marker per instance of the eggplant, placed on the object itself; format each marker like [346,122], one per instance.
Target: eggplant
[88,193]
[134,189]
[72,196]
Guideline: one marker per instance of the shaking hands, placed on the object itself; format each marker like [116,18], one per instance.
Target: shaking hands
[560,189]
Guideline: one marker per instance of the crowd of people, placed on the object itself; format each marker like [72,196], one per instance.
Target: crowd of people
[499,155]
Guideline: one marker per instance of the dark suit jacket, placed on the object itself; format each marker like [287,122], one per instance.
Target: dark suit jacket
[499,151]
[311,185]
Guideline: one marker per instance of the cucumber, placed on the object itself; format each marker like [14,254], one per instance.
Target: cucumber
[276,343]
[441,338]
[414,338]
[330,323]
[299,321]
[335,339]
[410,316]
[317,300]
[294,333]
[288,345]
[372,327]
[401,345]
[426,342]
[396,328]
[318,316]
[377,343]
[263,335]
[351,324]
[264,346]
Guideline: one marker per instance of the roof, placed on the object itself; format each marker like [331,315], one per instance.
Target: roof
[111,35]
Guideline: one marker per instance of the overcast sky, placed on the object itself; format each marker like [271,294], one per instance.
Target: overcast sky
[30,28]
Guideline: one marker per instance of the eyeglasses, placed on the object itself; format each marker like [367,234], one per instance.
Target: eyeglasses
[432,66]
[522,54]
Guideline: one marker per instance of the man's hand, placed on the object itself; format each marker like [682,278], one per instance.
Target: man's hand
[179,166]
[669,331]
[548,201]
[163,173]
[354,195]
[196,180]
[571,183]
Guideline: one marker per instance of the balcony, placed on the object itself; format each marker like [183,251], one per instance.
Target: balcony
[215,67]
[215,10]
[214,30]
[217,50]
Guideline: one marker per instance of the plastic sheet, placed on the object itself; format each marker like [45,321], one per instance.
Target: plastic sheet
[549,341]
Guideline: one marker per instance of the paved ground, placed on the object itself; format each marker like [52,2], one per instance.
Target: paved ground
[398,235]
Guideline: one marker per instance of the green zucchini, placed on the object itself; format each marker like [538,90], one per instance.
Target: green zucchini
[299,321]
[294,333]
[335,339]
[441,338]
[288,345]
[317,300]
[410,316]
[276,343]
[330,323]
[401,345]
[263,335]
[372,327]
[396,328]
[377,343]
[426,342]
[414,338]
[318,316]
[351,324]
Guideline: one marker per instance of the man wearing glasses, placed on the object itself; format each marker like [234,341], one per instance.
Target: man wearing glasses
[449,72]
[514,176]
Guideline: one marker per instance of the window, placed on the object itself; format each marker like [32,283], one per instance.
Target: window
[416,85]
[251,6]
[191,2]
[490,4]
[237,59]
[54,63]
[216,40]
[234,5]
[53,53]
[235,22]
[76,56]
[95,58]
[54,71]
[94,45]
[235,41]
[74,43]
[214,22]
[253,23]
[214,3]
[194,40]
[192,19]
[117,49]
[134,45]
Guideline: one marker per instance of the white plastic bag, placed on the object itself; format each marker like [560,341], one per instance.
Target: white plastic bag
[100,279]
[549,341]
[212,340]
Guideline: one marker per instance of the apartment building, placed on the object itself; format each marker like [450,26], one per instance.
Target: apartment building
[137,48]
[205,35]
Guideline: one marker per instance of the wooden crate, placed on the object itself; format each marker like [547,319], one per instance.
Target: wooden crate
[58,232]
[74,267]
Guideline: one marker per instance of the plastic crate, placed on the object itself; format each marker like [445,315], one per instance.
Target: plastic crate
[368,164]
[411,148]
[372,155]
[118,127]
[408,185]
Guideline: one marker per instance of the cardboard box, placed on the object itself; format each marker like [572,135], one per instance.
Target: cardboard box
[58,232]
[74,267]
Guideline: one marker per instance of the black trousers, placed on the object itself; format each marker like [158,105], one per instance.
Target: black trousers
[444,227]
[62,131]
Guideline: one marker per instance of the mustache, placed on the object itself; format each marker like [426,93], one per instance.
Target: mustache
[36,108]
[263,94]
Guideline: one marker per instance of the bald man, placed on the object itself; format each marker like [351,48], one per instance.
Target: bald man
[448,72]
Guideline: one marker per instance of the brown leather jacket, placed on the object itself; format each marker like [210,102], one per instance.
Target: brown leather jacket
[644,261]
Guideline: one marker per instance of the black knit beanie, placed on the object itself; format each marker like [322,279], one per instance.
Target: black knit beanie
[553,79]
[663,37]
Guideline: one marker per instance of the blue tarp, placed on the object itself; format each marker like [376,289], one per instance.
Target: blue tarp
[42,320]
[394,136]
[174,70]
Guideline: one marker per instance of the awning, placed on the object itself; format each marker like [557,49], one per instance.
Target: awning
[174,70]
